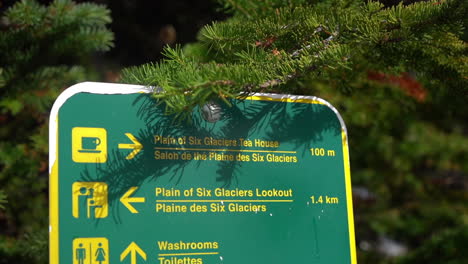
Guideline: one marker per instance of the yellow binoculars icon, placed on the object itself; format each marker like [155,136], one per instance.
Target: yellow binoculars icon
[90,198]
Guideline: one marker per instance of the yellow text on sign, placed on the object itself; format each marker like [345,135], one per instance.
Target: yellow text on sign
[89,200]
[89,145]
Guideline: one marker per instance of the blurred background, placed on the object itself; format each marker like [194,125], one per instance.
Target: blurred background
[410,199]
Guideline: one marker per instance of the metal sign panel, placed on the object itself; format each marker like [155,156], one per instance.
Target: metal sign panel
[264,180]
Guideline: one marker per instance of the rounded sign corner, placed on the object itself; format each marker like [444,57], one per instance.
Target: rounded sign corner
[64,96]
[298,99]
[95,88]
[338,115]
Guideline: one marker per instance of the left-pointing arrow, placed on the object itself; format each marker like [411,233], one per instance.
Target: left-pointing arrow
[136,146]
[133,249]
[126,200]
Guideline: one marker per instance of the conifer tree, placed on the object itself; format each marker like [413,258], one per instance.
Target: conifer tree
[43,49]
[397,73]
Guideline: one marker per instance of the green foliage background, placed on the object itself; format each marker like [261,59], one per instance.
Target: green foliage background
[44,49]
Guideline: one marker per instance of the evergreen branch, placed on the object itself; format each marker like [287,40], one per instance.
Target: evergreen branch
[326,41]
[262,53]
[296,53]
[169,92]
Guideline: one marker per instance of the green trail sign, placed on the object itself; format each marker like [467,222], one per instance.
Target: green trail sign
[264,180]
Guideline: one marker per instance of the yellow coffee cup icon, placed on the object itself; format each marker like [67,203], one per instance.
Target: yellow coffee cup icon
[89,145]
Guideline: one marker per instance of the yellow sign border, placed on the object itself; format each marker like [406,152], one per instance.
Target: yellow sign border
[85,87]
[110,88]
[347,167]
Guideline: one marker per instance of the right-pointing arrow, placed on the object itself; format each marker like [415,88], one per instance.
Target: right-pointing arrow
[136,146]
[133,249]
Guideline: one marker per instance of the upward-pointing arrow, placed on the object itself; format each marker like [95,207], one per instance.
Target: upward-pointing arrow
[133,249]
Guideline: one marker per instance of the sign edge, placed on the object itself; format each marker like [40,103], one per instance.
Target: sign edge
[84,87]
